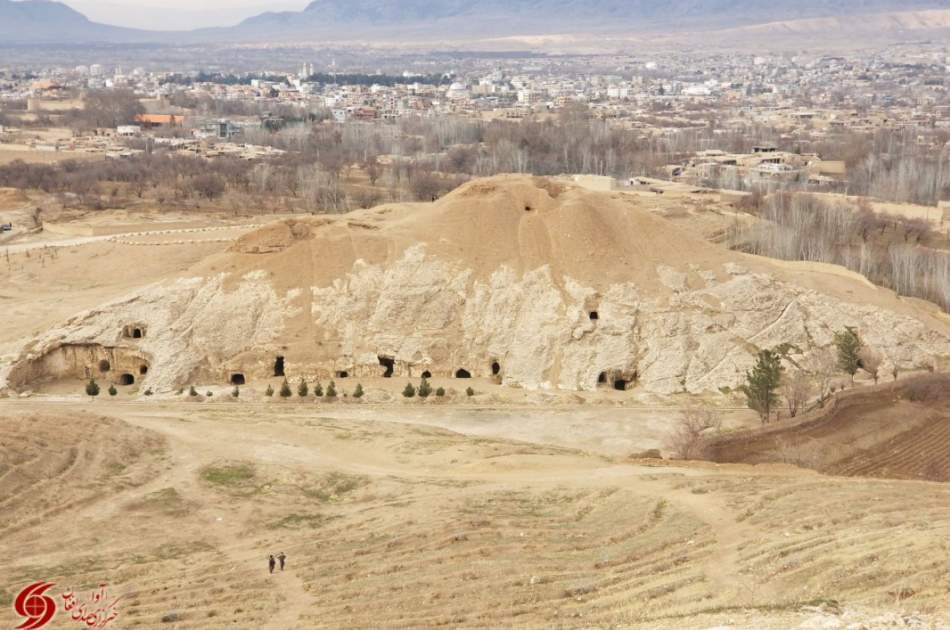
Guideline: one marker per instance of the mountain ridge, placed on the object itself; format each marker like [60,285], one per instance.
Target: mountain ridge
[49,21]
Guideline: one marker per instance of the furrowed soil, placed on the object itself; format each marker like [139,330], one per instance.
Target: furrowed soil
[385,524]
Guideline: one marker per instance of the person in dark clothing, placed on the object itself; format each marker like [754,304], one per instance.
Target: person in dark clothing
[271,563]
[282,559]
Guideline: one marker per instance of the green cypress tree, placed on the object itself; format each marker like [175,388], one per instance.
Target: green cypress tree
[762,381]
[358,392]
[269,391]
[92,388]
[112,390]
[302,389]
[424,388]
[849,347]
[318,390]
[409,391]
[440,392]
[331,390]
[285,390]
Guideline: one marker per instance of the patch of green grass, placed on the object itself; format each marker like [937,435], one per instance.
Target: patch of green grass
[334,486]
[659,509]
[166,501]
[230,475]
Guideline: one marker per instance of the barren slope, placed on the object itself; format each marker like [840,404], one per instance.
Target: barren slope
[400,526]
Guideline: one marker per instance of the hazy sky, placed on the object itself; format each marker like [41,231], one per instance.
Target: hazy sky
[178,14]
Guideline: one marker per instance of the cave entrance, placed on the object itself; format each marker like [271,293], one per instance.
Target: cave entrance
[462,373]
[594,316]
[342,374]
[427,374]
[104,366]
[126,379]
[602,378]
[238,379]
[143,369]
[279,366]
[389,364]
[620,384]
[495,368]
[137,333]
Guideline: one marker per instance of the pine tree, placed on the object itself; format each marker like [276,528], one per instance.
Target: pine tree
[331,390]
[112,390]
[285,390]
[358,392]
[92,388]
[302,389]
[409,391]
[849,347]
[762,381]
[424,388]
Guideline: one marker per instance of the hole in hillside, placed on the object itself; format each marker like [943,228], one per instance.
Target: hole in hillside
[126,379]
[495,368]
[143,369]
[527,208]
[620,384]
[427,374]
[462,373]
[342,374]
[594,316]
[388,363]
[104,366]
[238,379]
[602,378]
[137,333]
[279,366]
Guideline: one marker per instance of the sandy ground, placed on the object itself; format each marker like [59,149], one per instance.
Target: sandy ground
[401,525]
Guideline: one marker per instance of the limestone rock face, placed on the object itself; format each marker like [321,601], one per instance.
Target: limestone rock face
[540,286]
[190,325]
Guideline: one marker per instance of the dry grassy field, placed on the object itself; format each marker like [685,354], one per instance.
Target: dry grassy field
[176,506]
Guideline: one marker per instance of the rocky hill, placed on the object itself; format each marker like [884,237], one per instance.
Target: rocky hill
[451,21]
[48,22]
[541,284]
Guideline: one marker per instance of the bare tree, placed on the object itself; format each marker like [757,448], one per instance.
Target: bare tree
[693,425]
[797,389]
[823,366]
[870,361]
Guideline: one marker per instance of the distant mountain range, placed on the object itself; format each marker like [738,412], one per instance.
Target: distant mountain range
[46,21]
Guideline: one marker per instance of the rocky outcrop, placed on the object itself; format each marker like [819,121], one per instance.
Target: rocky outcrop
[539,287]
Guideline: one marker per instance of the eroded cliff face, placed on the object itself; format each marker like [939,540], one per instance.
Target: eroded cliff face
[188,328]
[427,314]
[540,286]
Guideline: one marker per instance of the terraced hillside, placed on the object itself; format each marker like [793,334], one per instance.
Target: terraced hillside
[403,526]
[895,430]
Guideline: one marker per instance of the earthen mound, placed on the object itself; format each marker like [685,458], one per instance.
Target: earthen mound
[535,283]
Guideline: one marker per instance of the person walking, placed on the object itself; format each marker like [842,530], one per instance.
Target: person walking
[271,563]
[282,558]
